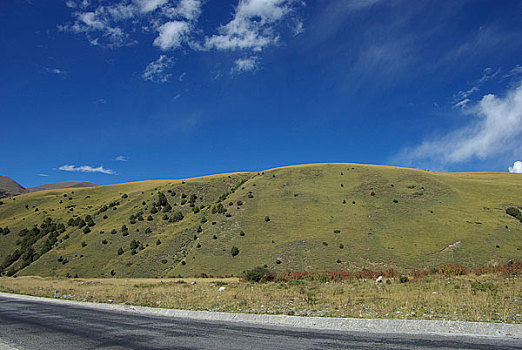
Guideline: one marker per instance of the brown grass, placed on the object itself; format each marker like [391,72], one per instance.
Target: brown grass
[485,297]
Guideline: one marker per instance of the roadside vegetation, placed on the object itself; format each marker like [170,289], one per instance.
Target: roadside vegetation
[452,292]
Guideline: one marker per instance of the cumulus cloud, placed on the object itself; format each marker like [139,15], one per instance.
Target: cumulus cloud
[252,26]
[172,34]
[255,25]
[495,127]
[86,169]
[156,70]
[246,64]
[103,23]
[188,9]
[121,158]
[516,168]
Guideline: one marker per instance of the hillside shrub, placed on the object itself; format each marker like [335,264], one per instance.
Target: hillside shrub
[259,274]
[452,270]
[514,212]
[86,229]
[178,216]
[404,279]
[120,251]
[234,251]
[84,244]
[267,218]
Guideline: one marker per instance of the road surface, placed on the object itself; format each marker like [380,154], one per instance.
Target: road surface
[40,325]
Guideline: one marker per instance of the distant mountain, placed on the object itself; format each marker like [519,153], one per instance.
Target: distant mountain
[9,187]
[58,185]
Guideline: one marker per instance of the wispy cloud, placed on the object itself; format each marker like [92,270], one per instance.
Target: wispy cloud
[87,169]
[495,127]
[56,71]
[516,168]
[43,175]
[246,64]
[156,70]
[122,158]
[461,98]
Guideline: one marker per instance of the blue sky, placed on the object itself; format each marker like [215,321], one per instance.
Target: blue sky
[117,91]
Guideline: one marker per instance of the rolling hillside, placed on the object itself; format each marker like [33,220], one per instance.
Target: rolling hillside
[308,217]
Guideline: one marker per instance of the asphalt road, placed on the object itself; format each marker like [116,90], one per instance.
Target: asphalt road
[40,325]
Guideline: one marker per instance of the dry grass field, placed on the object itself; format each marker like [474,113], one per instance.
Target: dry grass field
[484,298]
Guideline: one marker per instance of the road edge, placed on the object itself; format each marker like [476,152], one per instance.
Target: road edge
[390,326]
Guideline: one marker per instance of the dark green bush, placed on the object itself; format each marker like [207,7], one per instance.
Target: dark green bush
[267,218]
[404,279]
[120,251]
[234,251]
[259,274]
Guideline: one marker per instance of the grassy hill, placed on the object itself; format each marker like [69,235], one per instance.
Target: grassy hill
[58,185]
[308,217]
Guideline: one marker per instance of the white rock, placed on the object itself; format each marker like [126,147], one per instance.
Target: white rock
[379,279]
[221,289]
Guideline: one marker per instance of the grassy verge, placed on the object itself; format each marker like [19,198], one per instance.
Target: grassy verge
[487,298]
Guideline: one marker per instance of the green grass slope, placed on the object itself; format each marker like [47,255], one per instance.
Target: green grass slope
[308,217]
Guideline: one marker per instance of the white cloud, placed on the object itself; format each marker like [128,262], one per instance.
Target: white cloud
[182,76]
[252,27]
[461,97]
[122,158]
[463,103]
[146,6]
[495,127]
[176,97]
[56,71]
[172,34]
[155,70]
[87,169]
[43,175]
[516,168]
[188,9]
[246,64]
